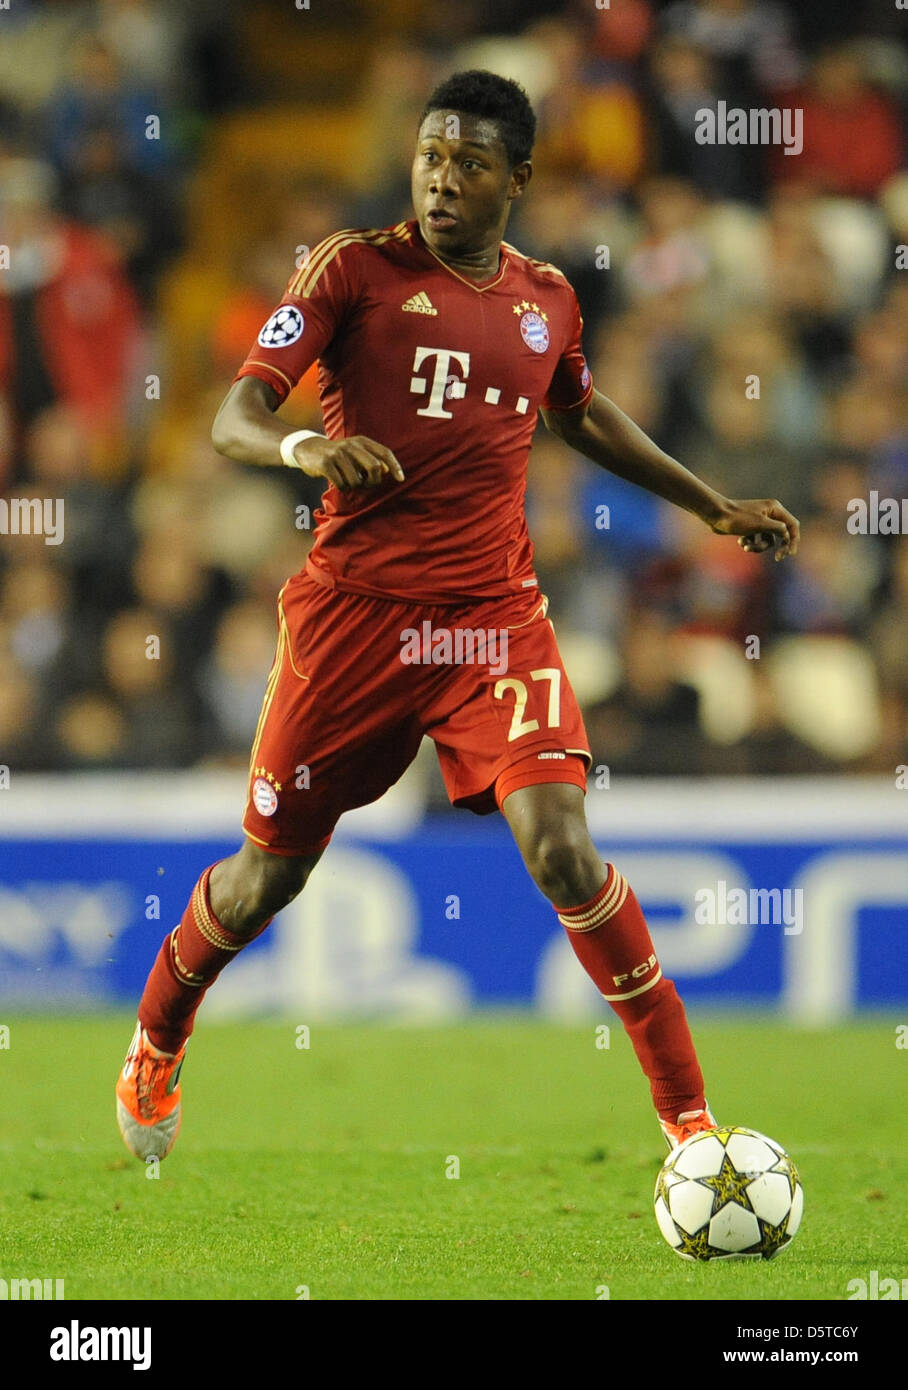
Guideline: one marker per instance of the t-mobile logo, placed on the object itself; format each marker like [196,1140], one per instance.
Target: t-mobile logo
[445,384]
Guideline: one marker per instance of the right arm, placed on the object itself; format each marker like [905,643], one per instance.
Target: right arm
[247,430]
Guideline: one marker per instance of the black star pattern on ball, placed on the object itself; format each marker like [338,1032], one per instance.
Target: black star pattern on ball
[786,1166]
[697,1245]
[663,1188]
[774,1238]
[729,1185]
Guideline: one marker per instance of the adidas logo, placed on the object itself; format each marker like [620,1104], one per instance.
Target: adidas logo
[419,304]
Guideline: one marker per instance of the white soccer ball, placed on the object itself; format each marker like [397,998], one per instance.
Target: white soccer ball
[728,1193]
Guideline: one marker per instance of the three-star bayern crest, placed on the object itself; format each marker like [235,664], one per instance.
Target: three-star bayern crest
[533,325]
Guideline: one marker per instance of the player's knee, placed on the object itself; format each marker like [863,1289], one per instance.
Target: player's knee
[565,866]
[254,885]
[274,881]
[271,886]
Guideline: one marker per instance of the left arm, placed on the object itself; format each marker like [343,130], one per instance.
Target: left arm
[611,439]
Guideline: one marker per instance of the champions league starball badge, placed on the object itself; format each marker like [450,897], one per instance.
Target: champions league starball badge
[284,327]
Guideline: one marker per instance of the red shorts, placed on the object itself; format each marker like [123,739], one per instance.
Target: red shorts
[356,683]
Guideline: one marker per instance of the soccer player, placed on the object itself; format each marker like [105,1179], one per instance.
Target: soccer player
[438,344]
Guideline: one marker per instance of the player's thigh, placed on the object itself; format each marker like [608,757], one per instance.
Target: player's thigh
[337,727]
[519,715]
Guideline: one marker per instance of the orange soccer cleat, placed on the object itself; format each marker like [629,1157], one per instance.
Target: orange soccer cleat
[148,1097]
[690,1122]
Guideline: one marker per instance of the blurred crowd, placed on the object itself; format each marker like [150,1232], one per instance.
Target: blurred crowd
[749,309]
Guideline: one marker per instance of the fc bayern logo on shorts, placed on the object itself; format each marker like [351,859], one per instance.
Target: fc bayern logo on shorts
[283,328]
[264,797]
[534,332]
[585,377]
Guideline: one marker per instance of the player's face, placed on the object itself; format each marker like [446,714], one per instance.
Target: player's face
[463,183]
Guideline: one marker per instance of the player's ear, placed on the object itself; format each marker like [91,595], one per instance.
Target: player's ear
[520,177]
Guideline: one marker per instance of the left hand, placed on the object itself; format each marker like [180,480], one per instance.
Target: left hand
[760,525]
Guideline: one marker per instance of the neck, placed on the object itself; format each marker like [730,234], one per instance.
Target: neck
[478,265]
[473,265]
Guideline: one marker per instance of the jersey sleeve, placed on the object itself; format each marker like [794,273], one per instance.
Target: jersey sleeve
[572,381]
[318,296]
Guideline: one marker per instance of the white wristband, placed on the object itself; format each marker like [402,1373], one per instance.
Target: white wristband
[290,441]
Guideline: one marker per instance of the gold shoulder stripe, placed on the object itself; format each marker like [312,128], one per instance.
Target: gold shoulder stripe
[547,265]
[309,275]
[530,260]
[308,278]
[316,257]
[321,255]
[269,366]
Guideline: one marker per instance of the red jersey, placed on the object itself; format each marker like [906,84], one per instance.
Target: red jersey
[449,374]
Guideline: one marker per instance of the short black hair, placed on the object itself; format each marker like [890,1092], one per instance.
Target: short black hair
[492,98]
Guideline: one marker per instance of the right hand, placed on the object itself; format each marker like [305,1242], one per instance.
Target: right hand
[347,463]
[760,524]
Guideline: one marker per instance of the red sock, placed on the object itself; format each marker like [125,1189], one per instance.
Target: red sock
[190,959]
[612,942]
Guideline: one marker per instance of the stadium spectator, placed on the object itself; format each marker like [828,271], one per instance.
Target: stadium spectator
[889,635]
[33,604]
[89,733]
[682,83]
[770,748]
[171,581]
[159,712]
[231,679]
[853,139]
[834,588]
[69,327]
[738,448]
[650,726]
[147,39]
[622,30]
[101,189]
[751,40]
[20,725]
[98,537]
[35,52]
[671,257]
[707,588]
[591,120]
[100,94]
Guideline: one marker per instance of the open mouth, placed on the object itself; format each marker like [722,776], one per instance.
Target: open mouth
[441,221]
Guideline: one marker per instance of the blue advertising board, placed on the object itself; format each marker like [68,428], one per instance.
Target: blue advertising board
[417,917]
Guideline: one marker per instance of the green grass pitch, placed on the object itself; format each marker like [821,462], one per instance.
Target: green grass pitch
[326,1169]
